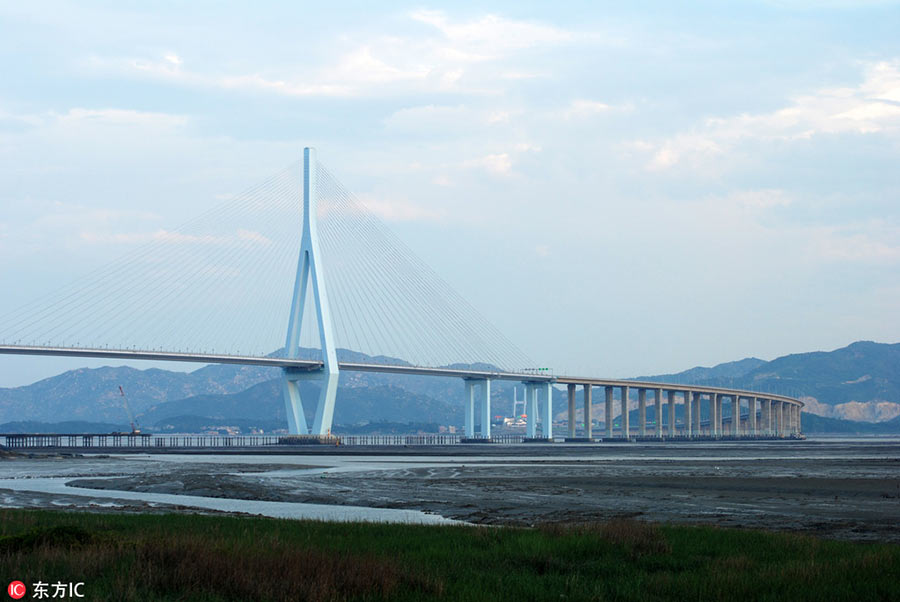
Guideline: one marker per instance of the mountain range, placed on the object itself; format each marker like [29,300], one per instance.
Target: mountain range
[846,390]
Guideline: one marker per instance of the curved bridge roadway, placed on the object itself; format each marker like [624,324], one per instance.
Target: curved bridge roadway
[759,415]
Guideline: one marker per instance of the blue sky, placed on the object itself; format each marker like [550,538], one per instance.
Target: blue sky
[621,188]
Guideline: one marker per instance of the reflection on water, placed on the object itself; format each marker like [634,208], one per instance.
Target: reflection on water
[57,486]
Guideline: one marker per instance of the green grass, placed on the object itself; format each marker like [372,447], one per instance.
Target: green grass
[186,557]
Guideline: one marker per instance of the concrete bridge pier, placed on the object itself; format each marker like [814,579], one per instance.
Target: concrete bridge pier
[485,402]
[671,395]
[696,413]
[717,419]
[657,406]
[587,412]
[779,420]
[539,408]
[547,415]
[624,418]
[735,415]
[751,416]
[570,389]
[531,410]
[609,409]
[573,432]
[788,420]
[470,410]
[642,412]
[688,416]
[486,408]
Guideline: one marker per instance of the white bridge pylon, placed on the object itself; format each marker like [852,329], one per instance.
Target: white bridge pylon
[309,269]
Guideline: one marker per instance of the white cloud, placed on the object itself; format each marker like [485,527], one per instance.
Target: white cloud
[870,242]
[498,163]
[499,117]
[259,83]
[870,107]
[491,35]
[581,108]
[745,217]
[441,59]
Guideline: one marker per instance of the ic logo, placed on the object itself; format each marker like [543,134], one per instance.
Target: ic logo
[16,590]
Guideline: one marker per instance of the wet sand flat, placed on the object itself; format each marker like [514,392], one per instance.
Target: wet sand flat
[840,489]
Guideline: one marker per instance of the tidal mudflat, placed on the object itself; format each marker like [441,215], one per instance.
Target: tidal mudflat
[845,489]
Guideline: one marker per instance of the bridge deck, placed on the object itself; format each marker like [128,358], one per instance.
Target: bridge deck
[314,365]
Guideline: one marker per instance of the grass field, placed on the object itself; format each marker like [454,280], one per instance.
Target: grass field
[186,557]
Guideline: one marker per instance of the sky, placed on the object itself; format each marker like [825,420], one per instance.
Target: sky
[622,189]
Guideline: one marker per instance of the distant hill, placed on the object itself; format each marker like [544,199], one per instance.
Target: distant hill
[721,372]
[357,405]
[814,424]
[858,382]
[93,394]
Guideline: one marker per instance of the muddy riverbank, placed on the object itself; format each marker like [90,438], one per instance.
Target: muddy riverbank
[842,490]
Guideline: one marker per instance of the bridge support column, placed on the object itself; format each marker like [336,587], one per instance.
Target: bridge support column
[609,411]
[790,413]
[547,428]
[657,406]
[695,398]
[735,415]
[779,419]
[486,408]
[720,406]
[782,419]
[571,391]
[587,411]
[785,419]
[751,416]
[671,404]
[776,418]
[470,410]
[717,415]
[765,414]
[294,407]
[688,416]
[484,401]
[642,412]
[531,410]
[623,420]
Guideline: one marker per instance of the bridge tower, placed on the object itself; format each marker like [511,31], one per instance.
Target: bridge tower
[309,269]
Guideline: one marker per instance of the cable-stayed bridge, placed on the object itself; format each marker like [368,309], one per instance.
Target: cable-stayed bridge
[238,282]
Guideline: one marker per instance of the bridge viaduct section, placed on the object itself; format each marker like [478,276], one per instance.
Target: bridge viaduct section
[750,414]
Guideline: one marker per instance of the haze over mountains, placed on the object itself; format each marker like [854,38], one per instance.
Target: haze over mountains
[860,382]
